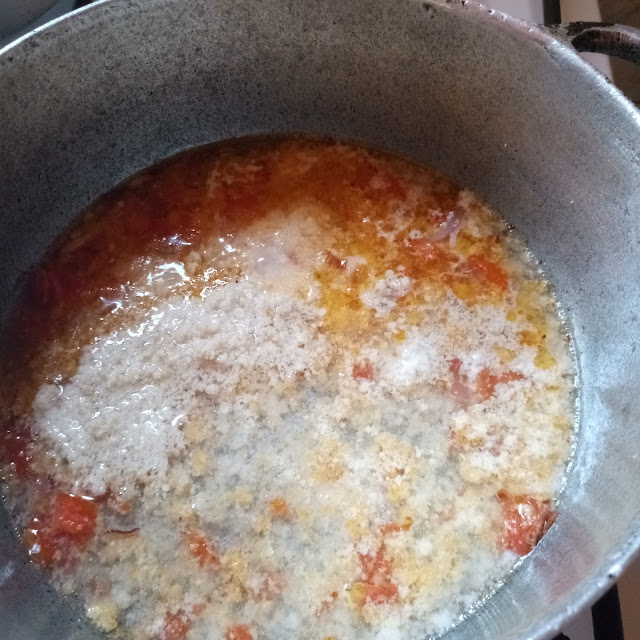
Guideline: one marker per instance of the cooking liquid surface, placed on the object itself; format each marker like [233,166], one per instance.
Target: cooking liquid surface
[285,389]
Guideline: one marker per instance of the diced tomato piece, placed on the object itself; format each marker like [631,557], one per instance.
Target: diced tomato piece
[430,252]
[485,385]
[279,508]
[526,520]
[394,527]
[376,587]
[463,393]
[201,548]
[39,542]
[238,632]
[74,516]
[176,625]
[376,567]
[484,269]
[486,382]
[460,388]
[363,592]
[332,260]
[391,527]
[363,370]
[454,366]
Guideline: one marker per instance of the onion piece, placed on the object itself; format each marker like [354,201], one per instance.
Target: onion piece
[449,226]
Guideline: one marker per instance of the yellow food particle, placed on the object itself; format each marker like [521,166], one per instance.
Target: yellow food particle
[344,311]
[199,462]
[465,442]
[463,289]
[398,493]
[530,338]
[195,431]
[327,462]
[241,497]
[414,317]
[358,594]
[530,305]
[394,527]
[182,512]
[561,422]
[329,472]
[465,243]
[357,527]
[472,473]
[505,355]
[175,595]
[237,565]
[104,614]
[400,336]
[544,358]
[425,574]
[262,525]
[303,516]
[280,509]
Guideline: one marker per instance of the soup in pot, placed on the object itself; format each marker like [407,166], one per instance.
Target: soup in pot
[285,388]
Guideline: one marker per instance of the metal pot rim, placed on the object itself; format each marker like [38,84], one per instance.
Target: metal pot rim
[586,592]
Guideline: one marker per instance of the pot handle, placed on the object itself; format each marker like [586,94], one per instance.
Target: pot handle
[596,37]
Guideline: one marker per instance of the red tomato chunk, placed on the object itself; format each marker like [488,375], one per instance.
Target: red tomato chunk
[376,587]
[484,269]
[176,625]
[363,592]
[74,516]
[238,632]
[486,382]
[201,548]
[362,370]
[526,520]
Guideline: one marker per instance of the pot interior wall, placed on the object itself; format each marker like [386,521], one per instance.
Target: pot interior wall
[508,112]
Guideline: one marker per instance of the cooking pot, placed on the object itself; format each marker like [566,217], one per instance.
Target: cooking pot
[508,109]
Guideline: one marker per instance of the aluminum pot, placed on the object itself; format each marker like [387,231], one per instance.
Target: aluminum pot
[506,108]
